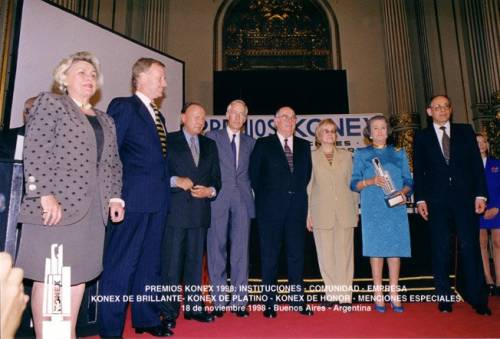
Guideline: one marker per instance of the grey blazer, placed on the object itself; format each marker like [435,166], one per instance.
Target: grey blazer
[60,158]
[233,181]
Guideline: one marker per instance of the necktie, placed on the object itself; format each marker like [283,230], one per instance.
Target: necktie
[233,148]
[194,150]
[160,129]
[445,142]
[289,155]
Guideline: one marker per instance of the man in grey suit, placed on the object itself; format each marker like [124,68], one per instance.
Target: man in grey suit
[231,214]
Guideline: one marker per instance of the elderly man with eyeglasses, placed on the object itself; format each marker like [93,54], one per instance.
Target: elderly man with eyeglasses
[450,191]
[280,169]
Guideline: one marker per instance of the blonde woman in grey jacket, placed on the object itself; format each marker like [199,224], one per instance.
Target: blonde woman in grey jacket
[73,182]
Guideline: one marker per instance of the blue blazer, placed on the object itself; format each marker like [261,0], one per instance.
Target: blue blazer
[280,194]
[464,175]
[185,210]
[235,181]
[492,172]
[146,179]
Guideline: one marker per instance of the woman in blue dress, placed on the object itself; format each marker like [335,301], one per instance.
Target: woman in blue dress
[491,218]
[385,230]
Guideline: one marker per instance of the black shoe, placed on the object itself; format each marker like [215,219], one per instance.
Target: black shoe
[270,313]
[218,314]
[202,317]
[241,313]
[305,310]
[483,310]
[445,307]
[491,289]
[497,291]
[111,337]
[157,331]
[168,323]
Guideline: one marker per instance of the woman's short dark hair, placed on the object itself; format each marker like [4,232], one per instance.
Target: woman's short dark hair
[367,132]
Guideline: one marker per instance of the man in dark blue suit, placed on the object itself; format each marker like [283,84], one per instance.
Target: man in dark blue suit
[450,191]
[132,255]
[280,169]
[196,180]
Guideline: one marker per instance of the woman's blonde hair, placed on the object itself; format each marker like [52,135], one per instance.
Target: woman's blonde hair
[319,129]
[65,64]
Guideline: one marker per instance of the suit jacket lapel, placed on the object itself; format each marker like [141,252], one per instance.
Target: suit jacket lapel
[453,142]
[323,162]
[435,143]
[185,151]
[226,145]
[242,164]
[146,116]
[105,133]
[203,151]
[281,152]
[80,118]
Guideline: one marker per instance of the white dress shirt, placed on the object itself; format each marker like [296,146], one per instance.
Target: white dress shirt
[439,133]
[289,141]
[147,102]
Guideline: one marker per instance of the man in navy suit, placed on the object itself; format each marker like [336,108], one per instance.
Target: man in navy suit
[450,191]
[194,165]
[231,214]
[132,254]
[280,169]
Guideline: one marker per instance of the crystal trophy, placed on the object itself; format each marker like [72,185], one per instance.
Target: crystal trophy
[56,296]
[392,196]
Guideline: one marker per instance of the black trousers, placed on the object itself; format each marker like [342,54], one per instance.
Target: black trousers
[272,235]
[444,217]
[181,260]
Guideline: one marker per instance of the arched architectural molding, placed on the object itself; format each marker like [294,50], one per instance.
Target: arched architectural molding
[335,61]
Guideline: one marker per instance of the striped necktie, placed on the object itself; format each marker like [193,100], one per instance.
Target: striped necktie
[160,129]
[288,155]
[445,142]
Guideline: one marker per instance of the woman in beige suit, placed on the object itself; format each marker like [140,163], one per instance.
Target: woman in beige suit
[333,214]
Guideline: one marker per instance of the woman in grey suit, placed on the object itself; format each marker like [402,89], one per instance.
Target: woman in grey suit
[333,214]
[73,180]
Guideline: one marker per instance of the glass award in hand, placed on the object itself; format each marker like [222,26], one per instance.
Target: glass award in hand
[392,196]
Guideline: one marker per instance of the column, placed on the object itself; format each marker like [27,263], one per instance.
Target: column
[402,101]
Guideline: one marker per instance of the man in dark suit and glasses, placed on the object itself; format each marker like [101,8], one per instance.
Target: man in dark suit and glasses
[280,169]
[132,254]
[450,191]
[194,165]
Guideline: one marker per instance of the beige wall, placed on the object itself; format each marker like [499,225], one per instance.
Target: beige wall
[362,48]
[190,38]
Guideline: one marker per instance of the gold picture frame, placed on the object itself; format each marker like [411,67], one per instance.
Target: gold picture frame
[6,16]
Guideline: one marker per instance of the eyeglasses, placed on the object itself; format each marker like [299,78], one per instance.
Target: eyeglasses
[440,107]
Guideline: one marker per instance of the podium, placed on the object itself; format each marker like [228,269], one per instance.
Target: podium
[11,191]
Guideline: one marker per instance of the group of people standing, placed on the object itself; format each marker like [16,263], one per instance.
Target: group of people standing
[170,196]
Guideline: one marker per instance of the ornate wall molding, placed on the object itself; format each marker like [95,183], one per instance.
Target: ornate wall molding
[257,34]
